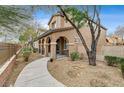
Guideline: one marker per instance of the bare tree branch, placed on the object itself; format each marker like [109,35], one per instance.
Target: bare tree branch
[76,28]
[99,28]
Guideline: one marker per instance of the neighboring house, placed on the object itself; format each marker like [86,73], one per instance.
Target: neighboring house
[61,39]
[114,40]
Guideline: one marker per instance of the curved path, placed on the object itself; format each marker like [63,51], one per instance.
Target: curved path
[36,74]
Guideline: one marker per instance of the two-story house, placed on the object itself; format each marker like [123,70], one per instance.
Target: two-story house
[61,39]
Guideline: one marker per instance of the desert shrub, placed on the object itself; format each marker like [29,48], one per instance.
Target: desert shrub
[118,59]
[113,60]
[51,59]
[35,50]
[121,61]
[26,49]
[75,56]
[26,53]
[122,69]
[110,60]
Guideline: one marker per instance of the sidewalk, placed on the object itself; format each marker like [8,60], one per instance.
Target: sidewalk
[36,74]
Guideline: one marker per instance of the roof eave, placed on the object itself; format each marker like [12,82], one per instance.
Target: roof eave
[53,16]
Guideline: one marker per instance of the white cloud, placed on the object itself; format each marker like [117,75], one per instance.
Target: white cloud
[43,22]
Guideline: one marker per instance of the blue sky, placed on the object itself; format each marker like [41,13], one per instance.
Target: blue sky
[111,17]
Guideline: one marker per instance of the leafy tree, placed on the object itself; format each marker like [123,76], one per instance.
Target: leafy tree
[13,19]
[1,33]
[12,16]
[27,35]
[77,18]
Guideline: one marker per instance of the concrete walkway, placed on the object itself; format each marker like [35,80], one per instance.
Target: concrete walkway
[36,74]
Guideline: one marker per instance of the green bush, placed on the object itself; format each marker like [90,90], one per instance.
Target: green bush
[122,69]
[109,60]
[121,61]
[26,53]
[27,49]
[75,56]
[51,59]
[113,60]
[35,50]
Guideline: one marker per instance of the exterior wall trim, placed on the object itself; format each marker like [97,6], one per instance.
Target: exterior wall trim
[71,44]
[53,43]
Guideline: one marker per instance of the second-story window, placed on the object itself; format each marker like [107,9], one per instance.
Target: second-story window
[54,25]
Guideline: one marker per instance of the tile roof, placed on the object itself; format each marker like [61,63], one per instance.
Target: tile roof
[54,31]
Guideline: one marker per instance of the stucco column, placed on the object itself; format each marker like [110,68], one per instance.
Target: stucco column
[60,46]
[71,48]
[53,50]
[46,49]
[40,49]
[41,46]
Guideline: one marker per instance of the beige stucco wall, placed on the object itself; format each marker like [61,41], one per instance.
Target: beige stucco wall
[54,37]
[73,38]
[113,50]
[72,34]
[60,22]
[87,36]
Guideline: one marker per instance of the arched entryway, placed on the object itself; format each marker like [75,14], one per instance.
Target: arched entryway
[62,47]
[48,41]
[42,46]
[39,46]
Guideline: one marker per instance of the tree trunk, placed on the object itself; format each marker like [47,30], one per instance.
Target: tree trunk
[91,53]
[31,43]
[92,58]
